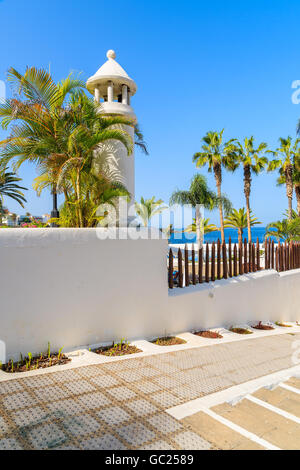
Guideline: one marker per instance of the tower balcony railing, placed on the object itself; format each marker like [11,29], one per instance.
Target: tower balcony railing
[114,107]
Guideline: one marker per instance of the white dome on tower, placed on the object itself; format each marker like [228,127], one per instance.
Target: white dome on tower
[111,70]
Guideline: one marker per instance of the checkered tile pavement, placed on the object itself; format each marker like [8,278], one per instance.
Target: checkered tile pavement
[121,405]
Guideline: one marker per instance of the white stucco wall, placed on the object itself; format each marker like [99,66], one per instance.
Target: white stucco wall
[70,288]
[265,296]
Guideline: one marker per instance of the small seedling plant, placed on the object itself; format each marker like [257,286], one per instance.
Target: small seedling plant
[168,340]
[30,362]
[118,349]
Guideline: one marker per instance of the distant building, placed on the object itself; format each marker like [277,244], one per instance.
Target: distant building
[9,219]
[13,220]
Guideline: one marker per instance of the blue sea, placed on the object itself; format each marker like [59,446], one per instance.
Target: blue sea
[213,236]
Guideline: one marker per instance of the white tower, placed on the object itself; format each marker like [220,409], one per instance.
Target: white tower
[113,89]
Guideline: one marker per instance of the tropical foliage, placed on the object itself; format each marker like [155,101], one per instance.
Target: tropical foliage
[198,195]
[286,154]
[59,129]
[9,187]
[281,180]
[205,226]
[216,154]
[238,219]
[249,156]
[148,208]
[284,230]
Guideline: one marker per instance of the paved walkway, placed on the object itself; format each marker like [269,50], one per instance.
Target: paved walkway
[265,419]
[121,405]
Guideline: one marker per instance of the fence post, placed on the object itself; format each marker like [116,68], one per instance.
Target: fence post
[291,255]
[225,268]
[286,257]
[272,255]
[200,265]
[235,260]
[171,282]
[213,262]
[218,259]
[186,266]
[257,255]
[207,263]
[193,266]
[180,272]
[282,258]
[250,267]
[241,271]
[245,257]
[254,269]
[266,253]
[279,256]
[229,258]
[269,254]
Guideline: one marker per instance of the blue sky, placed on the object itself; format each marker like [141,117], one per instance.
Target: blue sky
[199,66]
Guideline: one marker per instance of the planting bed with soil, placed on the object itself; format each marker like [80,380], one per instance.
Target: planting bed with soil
[241,331]
[168,341]
[261,326]
[208,334]
[120,349]
[34,363]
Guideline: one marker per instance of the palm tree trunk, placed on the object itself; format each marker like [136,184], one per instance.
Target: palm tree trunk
[297,192]
[289,189]
[199,232]
[79,211]
[66,194]
[240,236]
[218,178]
[247,189]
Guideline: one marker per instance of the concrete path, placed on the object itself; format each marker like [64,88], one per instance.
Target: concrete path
[122,405]
[264,420]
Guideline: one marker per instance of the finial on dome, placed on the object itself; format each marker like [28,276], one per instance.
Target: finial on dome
[111,54]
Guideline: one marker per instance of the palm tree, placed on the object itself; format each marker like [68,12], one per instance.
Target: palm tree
[249,157]
[285,230]
[80,156]
[34,110]
[286,154]
[296,180]
[96,196]
[168,231]
[10,188]
[139,140]
[199,194]
[56,127]
[148,208]
[238,219]
[205,225]
[294,214]
[216,155]
[296,183]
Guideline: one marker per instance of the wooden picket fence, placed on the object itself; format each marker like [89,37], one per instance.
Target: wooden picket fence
[220,261]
